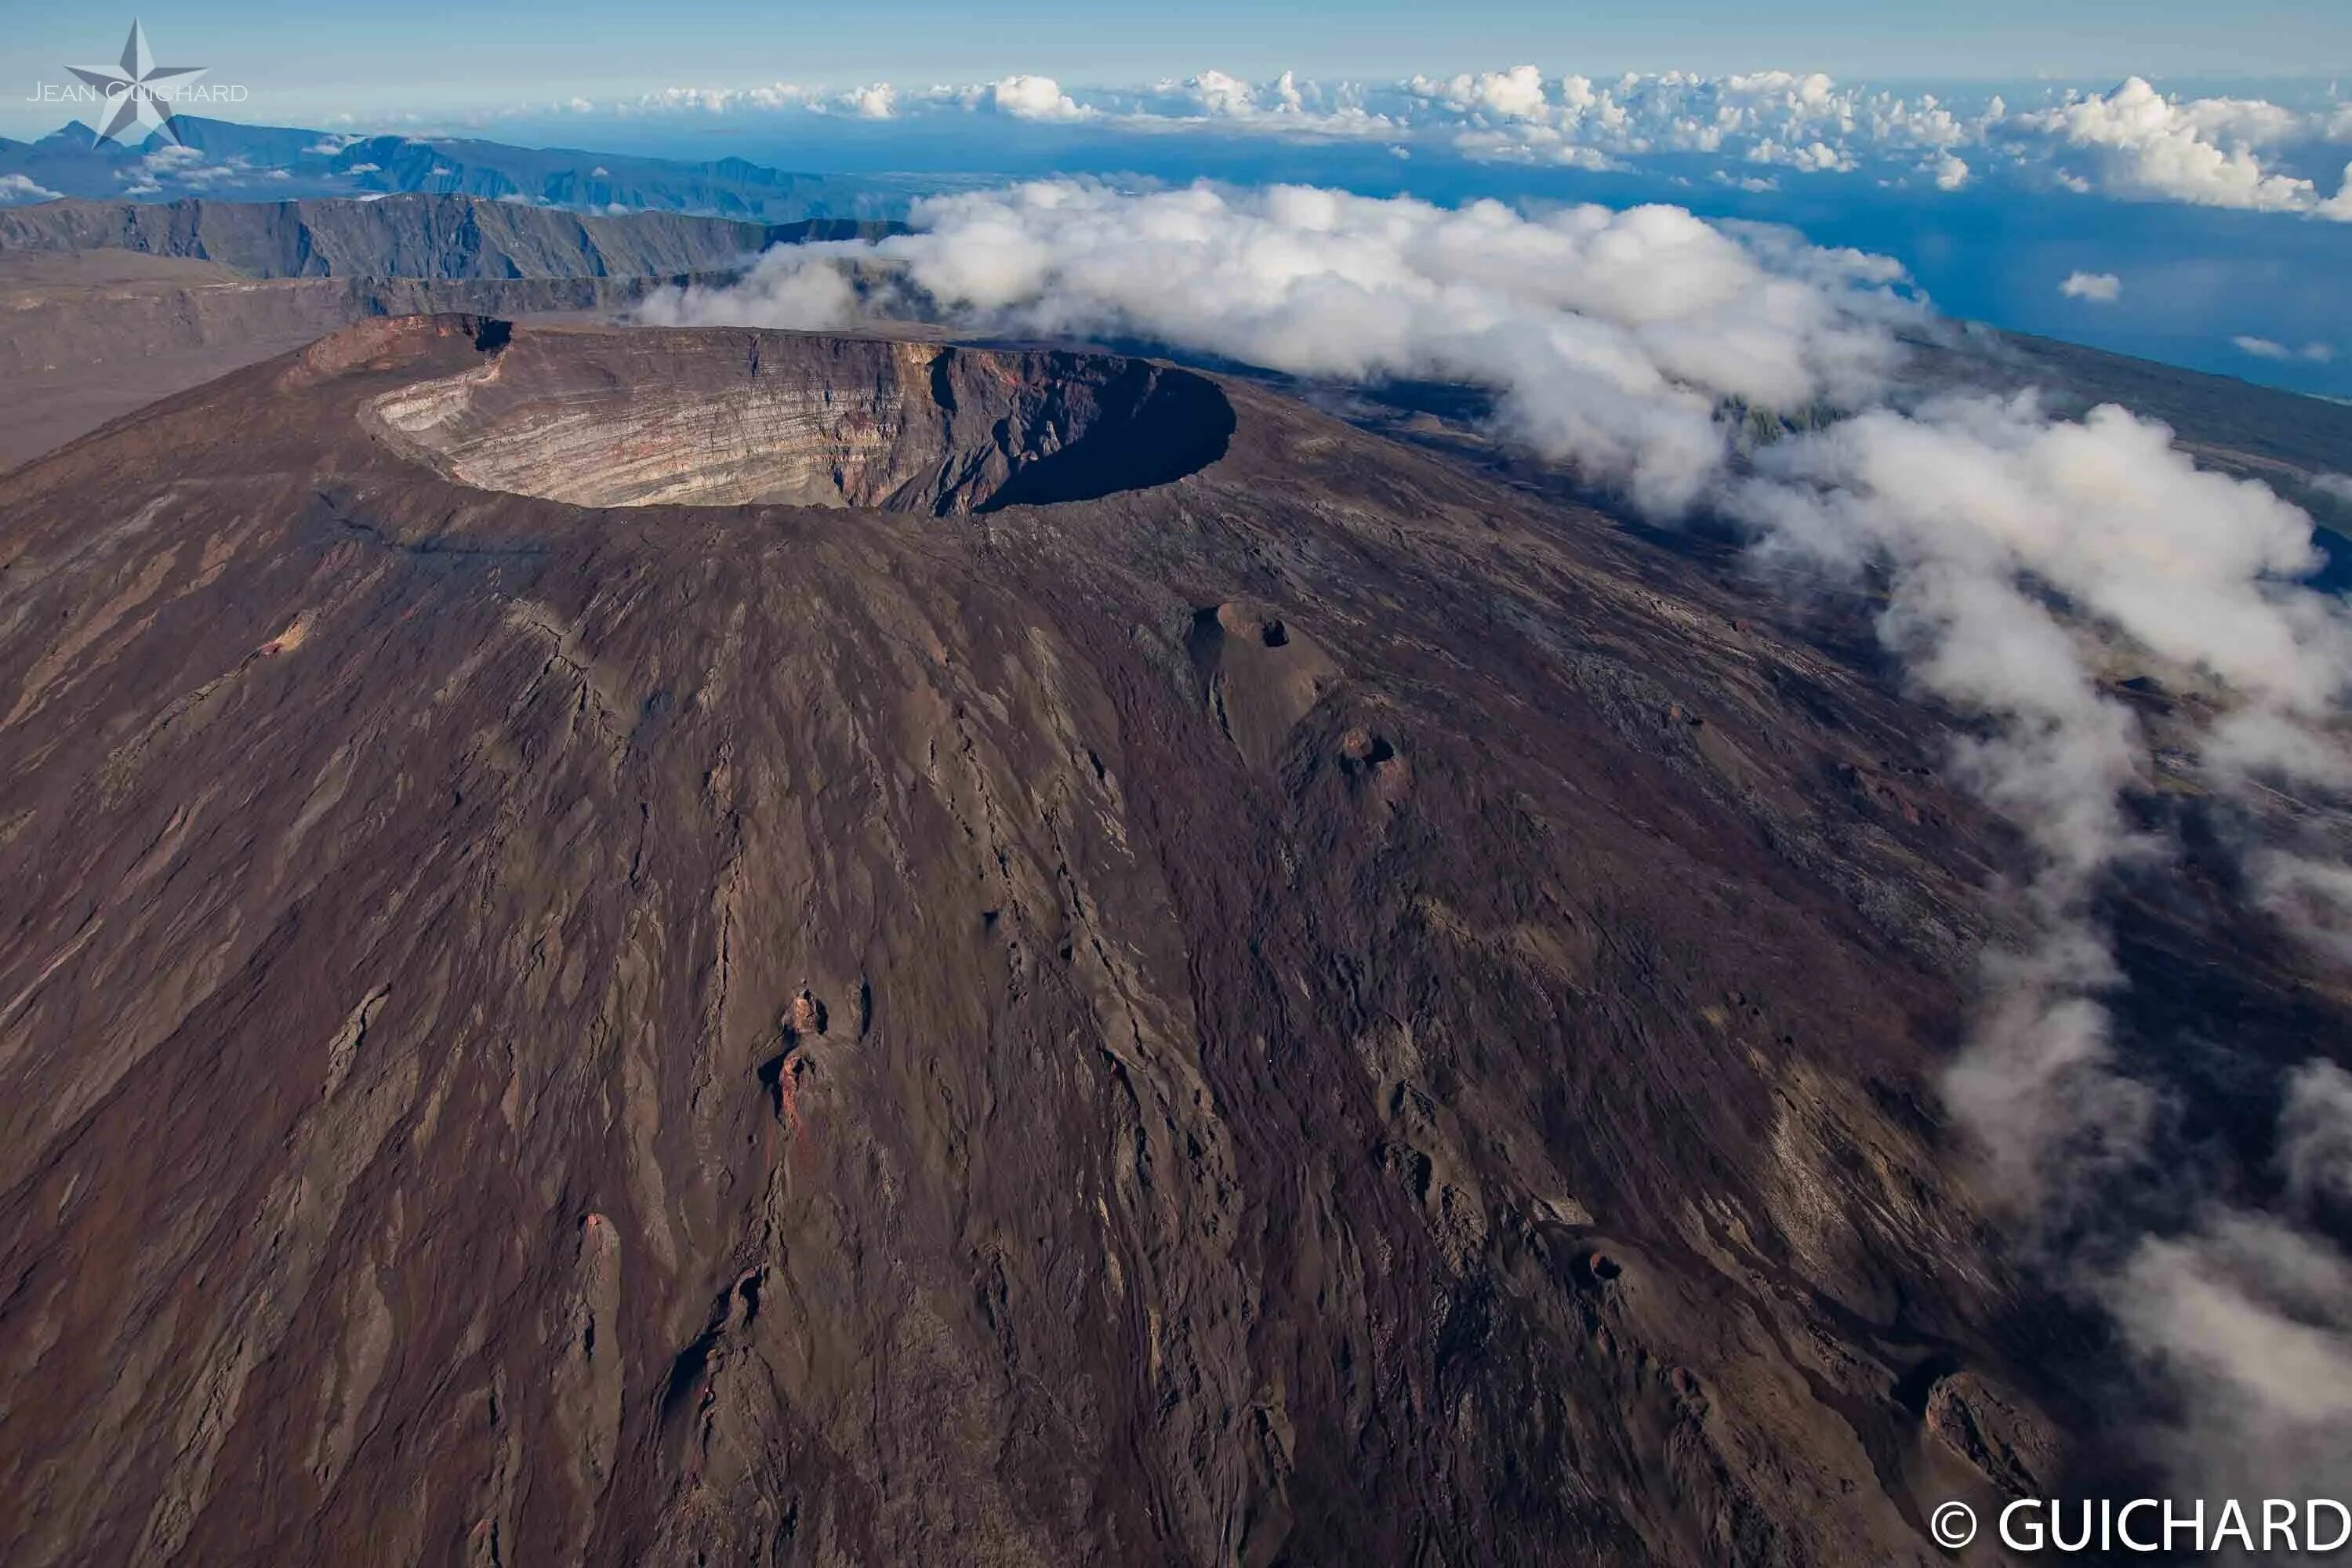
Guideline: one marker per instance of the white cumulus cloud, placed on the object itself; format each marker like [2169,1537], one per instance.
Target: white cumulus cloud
[2098,288]
[2206,152]
[1033,98]
[17,189]
[1514,94]
[2267,348]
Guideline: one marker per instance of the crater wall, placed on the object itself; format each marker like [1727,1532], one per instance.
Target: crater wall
[729,419]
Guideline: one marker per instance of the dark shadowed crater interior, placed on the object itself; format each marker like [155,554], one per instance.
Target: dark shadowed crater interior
[728,417]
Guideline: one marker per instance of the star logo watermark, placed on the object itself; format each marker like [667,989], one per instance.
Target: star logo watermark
[137,91]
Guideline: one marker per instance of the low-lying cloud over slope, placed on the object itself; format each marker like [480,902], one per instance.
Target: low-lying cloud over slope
[1614,337]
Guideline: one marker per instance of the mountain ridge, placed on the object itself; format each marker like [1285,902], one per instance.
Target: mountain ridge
[415,235]
[228,160]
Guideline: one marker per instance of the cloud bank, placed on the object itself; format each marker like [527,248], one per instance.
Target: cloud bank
[2210,151]
[2133,141]
[2022,557]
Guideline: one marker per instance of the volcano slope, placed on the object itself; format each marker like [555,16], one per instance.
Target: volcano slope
[739,947]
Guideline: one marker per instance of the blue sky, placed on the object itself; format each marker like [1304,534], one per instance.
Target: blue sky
[305,61]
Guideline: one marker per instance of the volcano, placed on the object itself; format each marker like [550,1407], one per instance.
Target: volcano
[743,947]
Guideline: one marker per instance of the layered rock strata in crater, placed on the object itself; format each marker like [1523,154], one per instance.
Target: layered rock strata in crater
[736,419]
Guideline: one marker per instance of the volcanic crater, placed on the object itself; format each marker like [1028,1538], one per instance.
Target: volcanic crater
[733,418]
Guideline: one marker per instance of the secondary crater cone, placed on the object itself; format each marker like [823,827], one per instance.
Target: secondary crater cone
[657,417]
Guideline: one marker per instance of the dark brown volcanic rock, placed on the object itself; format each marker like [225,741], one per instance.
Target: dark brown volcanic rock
[113,310]
[1326,1010]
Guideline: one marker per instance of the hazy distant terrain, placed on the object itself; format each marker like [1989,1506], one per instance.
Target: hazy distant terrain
[259,162]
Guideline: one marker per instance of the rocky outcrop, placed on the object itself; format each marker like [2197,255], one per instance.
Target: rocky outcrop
[2009,1448]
